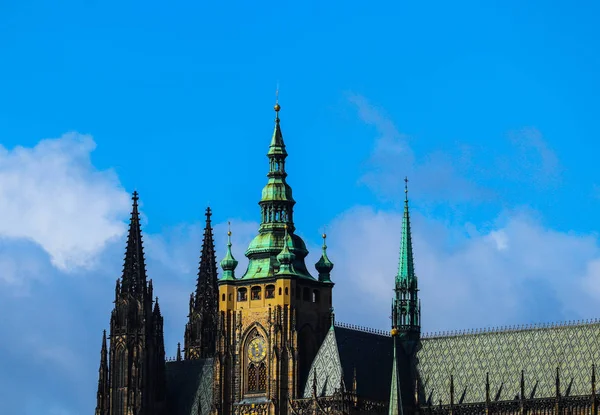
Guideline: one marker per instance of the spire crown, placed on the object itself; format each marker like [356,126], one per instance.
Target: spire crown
[229,263]
[277,211]
[406,268]
[406,308]
[207,269]
[133,280]
[324,265]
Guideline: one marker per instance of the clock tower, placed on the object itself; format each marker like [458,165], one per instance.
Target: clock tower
[273,318]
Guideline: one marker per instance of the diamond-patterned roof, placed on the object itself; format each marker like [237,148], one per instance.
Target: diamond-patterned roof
[346,350]
[504,354]
[189,386]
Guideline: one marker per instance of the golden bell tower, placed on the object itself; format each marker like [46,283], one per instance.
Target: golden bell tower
[275,316]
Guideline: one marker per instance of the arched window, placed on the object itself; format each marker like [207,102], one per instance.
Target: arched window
[242,294]
[270,291]
[280,290]
[255,293]
[262,377]
[315,296]
[223,297]
[230,296]
[257,378]
[306,294]
[252,378]
[286,291]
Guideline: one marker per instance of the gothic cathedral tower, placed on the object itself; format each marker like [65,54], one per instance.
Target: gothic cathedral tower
[135,381]
[200,333]
[274,317]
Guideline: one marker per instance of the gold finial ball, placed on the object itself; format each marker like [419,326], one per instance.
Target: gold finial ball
[394,332]
[228,233]
[277,107]
[324,236]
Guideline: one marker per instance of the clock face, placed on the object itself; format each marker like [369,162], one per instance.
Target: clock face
[257,350]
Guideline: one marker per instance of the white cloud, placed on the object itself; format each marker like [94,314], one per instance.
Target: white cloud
[52,194]
[516,272]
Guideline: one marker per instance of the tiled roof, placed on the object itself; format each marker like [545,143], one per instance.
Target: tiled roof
[345,350]
[189,387]
[539,351]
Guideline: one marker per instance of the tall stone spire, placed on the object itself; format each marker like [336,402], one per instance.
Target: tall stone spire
[134,267]
[200,331]
[277,214]
[207,271]
[136,353]
[103,395]
[406,313]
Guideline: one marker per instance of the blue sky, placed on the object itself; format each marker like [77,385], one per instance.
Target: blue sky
[490,109]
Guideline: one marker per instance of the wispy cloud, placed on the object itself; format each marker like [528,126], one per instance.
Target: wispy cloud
[467,174]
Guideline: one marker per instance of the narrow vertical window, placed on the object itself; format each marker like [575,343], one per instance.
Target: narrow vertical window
[252,378]
[262,378]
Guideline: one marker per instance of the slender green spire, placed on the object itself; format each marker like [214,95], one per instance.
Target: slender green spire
[277,218]
[395,394]
[406,267]
[228,263]
[324,265]
[406,308]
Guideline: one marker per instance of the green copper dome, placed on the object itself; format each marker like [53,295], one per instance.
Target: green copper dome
[229,263]
[277,214]
[324,265]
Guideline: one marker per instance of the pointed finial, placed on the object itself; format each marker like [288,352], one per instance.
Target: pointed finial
[104,341]
[277,107]
[179,352]
[229,232]
[332,316]
[135,197]
[406,188]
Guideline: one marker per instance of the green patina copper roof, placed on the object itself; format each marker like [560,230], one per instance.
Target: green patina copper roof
[324,265]
[406,309]
[406,267]
[277,210]
[229,263]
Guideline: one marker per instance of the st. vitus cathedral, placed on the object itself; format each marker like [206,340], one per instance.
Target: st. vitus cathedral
[266,341]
